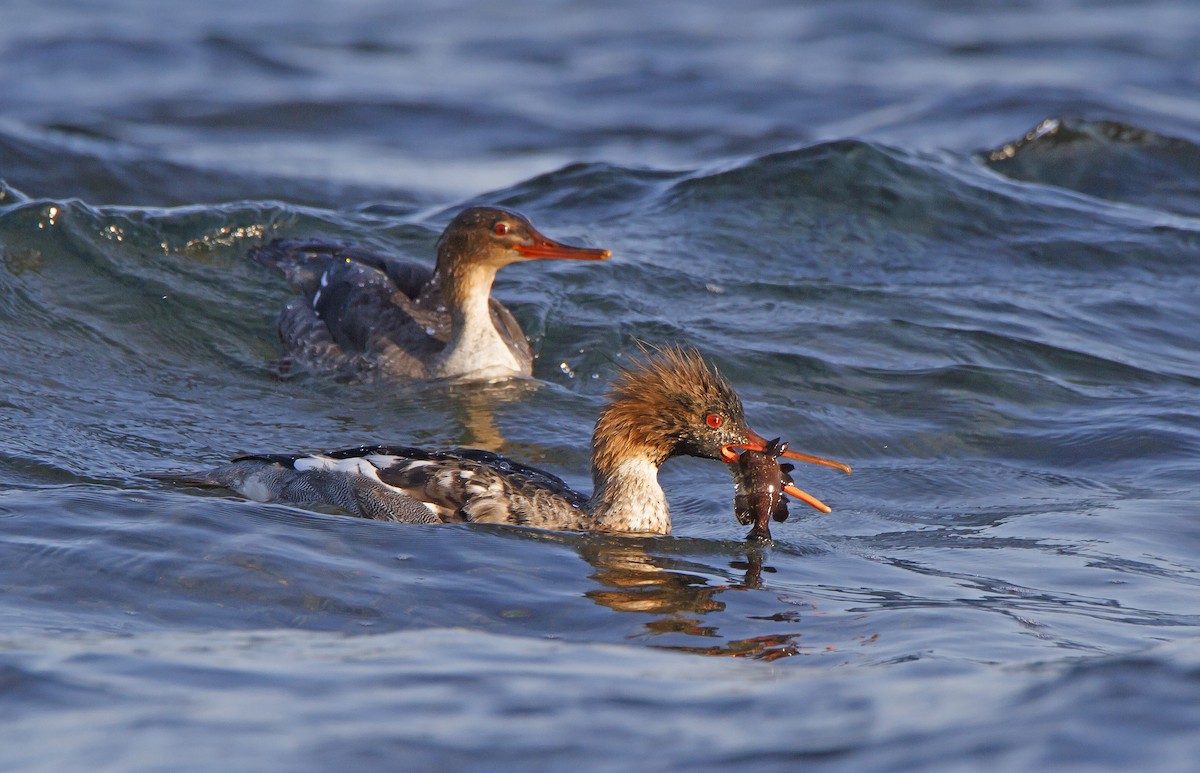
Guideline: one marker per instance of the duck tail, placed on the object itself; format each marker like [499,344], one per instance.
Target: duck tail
[260,479]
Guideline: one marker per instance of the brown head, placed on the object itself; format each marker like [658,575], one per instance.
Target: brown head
[670,403]
[496,237]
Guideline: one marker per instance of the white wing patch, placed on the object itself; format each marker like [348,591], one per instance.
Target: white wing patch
[317,295]
[384,461]
[355,465]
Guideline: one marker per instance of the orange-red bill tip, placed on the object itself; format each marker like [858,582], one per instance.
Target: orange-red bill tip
[757,442]
[807,498]
[549,249]
[817,460]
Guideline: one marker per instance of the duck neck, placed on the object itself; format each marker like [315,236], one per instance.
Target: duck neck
[626,495]
[474,345]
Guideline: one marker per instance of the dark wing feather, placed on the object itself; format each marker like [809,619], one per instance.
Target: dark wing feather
[287,460]
[302,263]
[357,315]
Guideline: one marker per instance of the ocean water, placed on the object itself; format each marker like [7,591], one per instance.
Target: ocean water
[952,244]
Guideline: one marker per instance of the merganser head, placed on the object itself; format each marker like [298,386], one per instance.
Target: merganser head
[672,403]
[495,236]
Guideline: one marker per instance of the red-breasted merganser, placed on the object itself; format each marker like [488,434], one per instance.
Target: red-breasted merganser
[367,316]
[669,403]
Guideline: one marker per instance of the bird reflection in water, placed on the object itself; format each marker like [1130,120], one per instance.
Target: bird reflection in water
[633,580]
[473,407]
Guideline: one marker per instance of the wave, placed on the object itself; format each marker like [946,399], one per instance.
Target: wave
[1108,160]
[66,161]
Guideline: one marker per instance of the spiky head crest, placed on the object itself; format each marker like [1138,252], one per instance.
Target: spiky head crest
[667,402]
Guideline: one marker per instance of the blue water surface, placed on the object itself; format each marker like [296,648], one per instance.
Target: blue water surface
[953,244]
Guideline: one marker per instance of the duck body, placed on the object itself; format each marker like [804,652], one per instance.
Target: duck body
[669,404]
[365,316]
[371,317]
[408,485]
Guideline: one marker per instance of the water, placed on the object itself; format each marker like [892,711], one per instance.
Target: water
[857,211]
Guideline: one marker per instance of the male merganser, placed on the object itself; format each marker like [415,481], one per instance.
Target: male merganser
[669,403]
[368,316]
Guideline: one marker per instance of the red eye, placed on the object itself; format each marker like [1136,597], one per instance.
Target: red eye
[502,228]
[713,420]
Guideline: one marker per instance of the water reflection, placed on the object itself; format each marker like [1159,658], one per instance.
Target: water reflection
[473,407]
[631,579]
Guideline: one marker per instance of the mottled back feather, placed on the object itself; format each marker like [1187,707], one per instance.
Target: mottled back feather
[363,315]
[465,484]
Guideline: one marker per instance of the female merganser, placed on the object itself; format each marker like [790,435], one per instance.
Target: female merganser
[670,403]
[369,316]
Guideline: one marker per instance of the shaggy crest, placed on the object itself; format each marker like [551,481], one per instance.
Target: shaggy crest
[657,401]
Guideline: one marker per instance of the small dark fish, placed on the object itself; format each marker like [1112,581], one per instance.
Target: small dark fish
[760,481]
